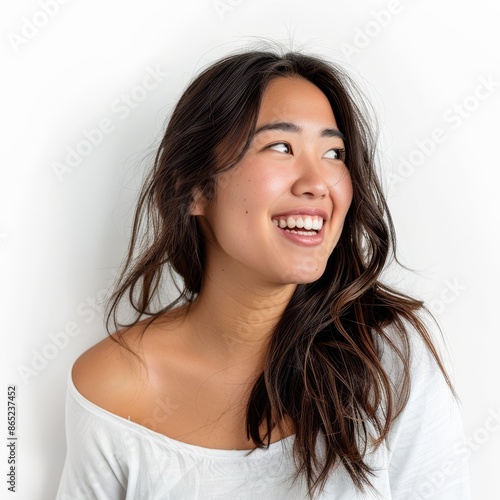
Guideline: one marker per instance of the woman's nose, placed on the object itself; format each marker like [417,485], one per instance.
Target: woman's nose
[311,180]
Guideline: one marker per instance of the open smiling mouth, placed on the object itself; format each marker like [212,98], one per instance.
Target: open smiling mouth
[302,225]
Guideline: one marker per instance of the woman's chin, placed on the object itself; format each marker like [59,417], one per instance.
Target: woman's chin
[301,276]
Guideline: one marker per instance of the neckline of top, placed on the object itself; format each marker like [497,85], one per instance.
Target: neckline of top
[173,443]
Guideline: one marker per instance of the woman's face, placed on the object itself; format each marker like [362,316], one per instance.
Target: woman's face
[279,213]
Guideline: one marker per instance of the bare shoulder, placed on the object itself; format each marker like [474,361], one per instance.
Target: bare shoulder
[108,373]
[125,381]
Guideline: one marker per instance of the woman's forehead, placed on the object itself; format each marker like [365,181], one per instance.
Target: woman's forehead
[297,101]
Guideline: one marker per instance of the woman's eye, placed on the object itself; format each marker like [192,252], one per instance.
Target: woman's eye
[336,154]
[281,146]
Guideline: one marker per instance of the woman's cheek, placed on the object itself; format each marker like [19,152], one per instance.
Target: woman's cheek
[342,192]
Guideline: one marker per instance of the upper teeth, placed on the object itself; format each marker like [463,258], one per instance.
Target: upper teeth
[301,221]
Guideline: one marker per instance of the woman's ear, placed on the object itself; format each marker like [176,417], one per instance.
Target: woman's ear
[198,204]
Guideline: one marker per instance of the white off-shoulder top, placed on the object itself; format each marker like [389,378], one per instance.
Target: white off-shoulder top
[112,458]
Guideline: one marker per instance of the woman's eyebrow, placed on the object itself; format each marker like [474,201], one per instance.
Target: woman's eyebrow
[292,127]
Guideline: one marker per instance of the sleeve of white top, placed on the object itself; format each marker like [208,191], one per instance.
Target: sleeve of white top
[428,456]
[92,469]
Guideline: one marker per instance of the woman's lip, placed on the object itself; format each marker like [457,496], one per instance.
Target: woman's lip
[315,240]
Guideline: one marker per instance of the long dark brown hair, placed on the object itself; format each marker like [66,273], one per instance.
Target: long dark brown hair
[323,366]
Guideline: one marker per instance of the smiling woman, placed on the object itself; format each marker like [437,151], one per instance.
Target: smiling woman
[285,369]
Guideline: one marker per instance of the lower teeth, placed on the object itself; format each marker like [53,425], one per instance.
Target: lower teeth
[302,233]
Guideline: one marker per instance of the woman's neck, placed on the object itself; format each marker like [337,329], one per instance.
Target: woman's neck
[233,317]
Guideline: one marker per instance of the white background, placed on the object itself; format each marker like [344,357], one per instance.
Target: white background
[62,235]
